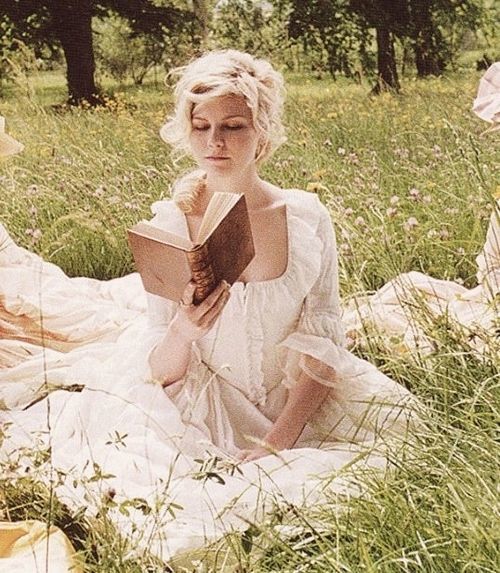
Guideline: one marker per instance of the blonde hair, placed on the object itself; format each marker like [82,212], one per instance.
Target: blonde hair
[221,73]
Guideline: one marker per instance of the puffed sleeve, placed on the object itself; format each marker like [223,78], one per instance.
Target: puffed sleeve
[363,402]
[320,331]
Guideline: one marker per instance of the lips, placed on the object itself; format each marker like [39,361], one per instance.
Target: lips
[216,157]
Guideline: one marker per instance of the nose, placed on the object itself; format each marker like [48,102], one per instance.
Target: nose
[215,139]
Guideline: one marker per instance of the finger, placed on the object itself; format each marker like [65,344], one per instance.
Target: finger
[188,293]
[214,299]
[212,314]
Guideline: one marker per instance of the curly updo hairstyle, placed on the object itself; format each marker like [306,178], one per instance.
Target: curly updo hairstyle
[221,73]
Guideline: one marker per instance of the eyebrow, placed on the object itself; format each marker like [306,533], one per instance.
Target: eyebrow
[236,116]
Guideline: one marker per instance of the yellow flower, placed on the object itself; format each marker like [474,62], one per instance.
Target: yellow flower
[315,187]
[319,174]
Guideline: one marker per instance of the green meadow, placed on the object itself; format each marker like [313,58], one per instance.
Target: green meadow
[410,182]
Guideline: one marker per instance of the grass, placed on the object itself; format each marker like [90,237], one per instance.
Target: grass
[409,181]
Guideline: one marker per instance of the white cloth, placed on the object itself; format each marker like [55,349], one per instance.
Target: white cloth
[487,102]
[409,313]
[125,441]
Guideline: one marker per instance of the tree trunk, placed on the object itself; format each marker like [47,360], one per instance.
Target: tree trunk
[428,59]
[426,38]
[202,19]
[72,20]
[386,62]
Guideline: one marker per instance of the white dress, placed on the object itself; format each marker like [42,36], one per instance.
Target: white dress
[157,453]
[406,314]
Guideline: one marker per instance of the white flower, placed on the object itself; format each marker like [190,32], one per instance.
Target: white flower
[360,222]
[414,193]
[410,224]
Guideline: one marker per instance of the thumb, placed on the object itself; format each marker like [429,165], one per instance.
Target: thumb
[187,295]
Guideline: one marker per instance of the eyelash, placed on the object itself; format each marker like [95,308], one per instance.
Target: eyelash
[229,127]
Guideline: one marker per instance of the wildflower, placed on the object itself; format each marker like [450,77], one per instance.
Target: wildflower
[99,192]
[427,199]
[461,251]
[348,212]
[436,150]
[410,224]
[401,152]
[432,234]
[352,158]
[360,222]
[33,211]
[414,194]
[319,174]
[315,187]
[32,190]
[341,151]
[131,205]
[394,200]
[345,249]
[35,234]
[391,212]
[327,143]
[443,234]
[451,211]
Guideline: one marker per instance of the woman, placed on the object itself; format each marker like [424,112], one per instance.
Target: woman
[257,372]
[285,305]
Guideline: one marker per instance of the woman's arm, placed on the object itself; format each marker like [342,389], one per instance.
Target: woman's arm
[170,358]
[304,398]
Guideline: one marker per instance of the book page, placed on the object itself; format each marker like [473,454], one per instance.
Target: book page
[220,204]
[145,229]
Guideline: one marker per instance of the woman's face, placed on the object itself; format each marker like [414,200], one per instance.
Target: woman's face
[223,139]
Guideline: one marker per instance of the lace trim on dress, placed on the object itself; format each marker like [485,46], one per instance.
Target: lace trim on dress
[304,260]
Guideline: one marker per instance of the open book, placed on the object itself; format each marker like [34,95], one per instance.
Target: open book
[223,249]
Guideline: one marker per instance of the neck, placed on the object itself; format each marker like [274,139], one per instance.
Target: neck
[250,184]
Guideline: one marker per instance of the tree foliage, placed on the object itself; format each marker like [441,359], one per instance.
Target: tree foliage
[339,36]
[329,25]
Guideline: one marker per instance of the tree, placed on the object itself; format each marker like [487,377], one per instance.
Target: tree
[390,18]
[328,25]
[70,23]
[431,23]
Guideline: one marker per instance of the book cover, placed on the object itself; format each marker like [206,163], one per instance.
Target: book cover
[167,262]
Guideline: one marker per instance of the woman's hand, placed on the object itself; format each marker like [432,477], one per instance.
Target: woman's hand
[254,454]
[282,441]
[193,321]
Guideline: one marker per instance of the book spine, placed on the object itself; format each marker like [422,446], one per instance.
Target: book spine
[202,272]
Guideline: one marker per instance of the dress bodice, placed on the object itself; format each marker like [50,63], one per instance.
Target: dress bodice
[241,347]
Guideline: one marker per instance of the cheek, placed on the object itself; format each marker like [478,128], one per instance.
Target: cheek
[246,142]
[196,139]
